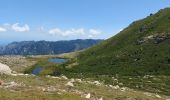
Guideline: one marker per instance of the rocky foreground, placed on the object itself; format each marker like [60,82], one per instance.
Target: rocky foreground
[19,86]
[24,86]
[16,63]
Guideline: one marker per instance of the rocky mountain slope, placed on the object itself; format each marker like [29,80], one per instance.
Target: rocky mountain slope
[141,48]
[46,47]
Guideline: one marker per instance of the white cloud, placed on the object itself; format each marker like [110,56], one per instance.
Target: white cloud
[75,32]
[2,29]
[71,32]
[55,31]
[90,36]
[94,32]
[17,28]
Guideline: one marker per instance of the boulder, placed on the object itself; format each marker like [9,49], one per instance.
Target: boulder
[97,83]
[64,77]
[88,96]
[70,84]
[100,98]
[79,80]
[116,87]
[1,82]
[158,96]
[4,69]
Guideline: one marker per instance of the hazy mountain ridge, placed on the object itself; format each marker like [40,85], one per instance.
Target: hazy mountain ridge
[46,47]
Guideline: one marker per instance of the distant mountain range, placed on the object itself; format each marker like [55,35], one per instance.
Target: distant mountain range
[46,47]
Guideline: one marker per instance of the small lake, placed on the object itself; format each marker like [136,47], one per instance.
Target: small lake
[57,60]
[36,71]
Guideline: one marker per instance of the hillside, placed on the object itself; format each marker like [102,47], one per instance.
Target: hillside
[138,56]
[46,47]
[141,48]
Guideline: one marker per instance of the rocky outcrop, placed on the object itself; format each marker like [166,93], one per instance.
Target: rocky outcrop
[4,69]
[16,63]
[156,38]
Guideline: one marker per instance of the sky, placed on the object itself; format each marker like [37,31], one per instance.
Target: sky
[53,20]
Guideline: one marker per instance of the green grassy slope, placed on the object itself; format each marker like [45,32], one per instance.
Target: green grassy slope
[141,48]
[28,87]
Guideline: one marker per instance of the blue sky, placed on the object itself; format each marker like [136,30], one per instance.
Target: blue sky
[54,20]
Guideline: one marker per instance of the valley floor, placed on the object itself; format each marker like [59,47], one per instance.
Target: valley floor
[29,87]
[44,87]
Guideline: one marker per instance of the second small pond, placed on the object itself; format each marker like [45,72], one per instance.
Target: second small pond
[57,60]
[36,71]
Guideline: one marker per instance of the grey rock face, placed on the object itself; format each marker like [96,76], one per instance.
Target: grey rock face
[46,47]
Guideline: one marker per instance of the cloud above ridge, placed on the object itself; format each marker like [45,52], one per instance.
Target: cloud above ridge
[17,28]
[51,32]
[74,32]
